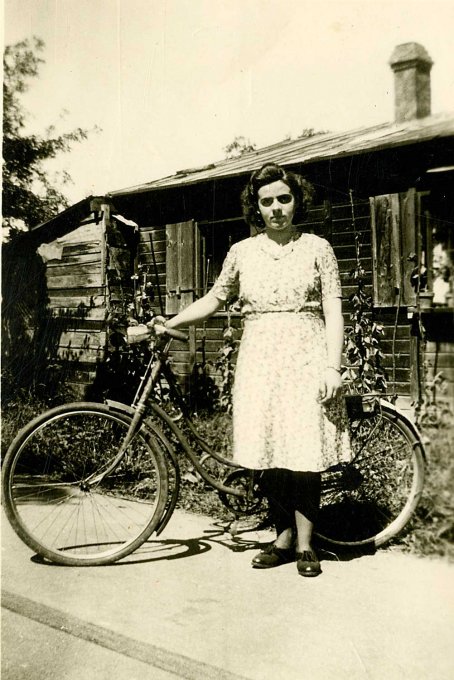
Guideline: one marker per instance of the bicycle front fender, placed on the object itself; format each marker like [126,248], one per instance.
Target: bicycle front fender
[119,406]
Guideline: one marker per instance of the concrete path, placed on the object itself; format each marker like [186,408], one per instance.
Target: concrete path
[190,606]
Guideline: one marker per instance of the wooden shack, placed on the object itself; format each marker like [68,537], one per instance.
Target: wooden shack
[62,282]
[384,191]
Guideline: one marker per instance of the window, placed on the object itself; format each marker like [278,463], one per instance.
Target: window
[194,257]
[436,219]
[217,238]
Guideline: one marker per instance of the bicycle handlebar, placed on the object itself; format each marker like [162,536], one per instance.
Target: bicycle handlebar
[144,332]
[173,333]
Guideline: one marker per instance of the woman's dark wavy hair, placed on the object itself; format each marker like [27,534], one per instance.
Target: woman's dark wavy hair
[301,189]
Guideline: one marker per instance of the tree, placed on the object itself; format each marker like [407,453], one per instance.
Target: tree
[310,132]
[241,145]
[238,147]
[306,133]
[29,196]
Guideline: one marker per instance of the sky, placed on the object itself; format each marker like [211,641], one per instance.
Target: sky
[170,83]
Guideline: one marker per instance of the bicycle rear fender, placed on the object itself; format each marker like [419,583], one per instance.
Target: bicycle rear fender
[364,405]
[408,423]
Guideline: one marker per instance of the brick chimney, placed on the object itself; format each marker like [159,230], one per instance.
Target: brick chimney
[411,65]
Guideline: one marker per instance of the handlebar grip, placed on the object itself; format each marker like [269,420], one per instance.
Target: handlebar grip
[138,333]
[173,333]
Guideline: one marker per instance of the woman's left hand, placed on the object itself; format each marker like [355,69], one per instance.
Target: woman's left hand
[332,386]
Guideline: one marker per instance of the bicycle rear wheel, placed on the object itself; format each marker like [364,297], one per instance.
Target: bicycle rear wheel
[55,502]
[371,500]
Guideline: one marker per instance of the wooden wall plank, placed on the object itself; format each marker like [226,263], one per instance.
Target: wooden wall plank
[83,339]
[76,251]
[77,280]
[77,354]
[74,269]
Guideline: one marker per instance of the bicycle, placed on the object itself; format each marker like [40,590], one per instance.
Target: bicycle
[88,483]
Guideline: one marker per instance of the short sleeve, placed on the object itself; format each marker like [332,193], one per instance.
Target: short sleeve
[227,283]
[329,272]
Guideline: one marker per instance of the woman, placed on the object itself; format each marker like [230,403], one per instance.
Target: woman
[289,419]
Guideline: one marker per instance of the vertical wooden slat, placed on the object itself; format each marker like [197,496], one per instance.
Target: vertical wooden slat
[172,302]
[198,263]
[385,222]
[180,265]
[186,255]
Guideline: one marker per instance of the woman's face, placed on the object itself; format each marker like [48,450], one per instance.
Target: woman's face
[276,205]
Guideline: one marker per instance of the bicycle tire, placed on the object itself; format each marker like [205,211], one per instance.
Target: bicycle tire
[48,497]
[386,481]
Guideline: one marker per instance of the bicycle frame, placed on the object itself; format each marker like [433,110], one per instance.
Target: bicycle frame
[142,403]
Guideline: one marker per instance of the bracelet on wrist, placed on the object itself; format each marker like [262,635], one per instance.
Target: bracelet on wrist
[338,370]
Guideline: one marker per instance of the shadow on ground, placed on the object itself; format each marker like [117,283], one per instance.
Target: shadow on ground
[157,550]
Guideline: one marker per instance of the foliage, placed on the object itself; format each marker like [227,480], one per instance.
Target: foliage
[29,196]
[238,147]
[433,408]
[310,132]
[431,530]
[203,392]
[119,375]
[364,372]
[241,145]
[225,364]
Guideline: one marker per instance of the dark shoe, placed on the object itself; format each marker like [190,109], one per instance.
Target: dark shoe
[273,557]
[308,564]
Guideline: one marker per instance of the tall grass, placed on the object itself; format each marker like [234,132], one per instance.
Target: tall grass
[431,530]
[22,408]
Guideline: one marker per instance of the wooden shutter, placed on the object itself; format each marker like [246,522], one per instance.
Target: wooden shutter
[385,249]
[393,242]
[181,247]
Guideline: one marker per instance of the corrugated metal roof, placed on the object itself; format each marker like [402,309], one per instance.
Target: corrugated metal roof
[74,212]
[320,147]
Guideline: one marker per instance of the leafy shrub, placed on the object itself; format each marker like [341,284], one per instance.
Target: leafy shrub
[364,372]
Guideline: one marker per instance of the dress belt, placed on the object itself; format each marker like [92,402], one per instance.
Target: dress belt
[302,312]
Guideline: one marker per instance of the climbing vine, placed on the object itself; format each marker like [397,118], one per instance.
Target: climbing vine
[225,364]
[364,371]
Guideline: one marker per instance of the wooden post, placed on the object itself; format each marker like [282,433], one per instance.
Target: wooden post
[105,222]
[409,244]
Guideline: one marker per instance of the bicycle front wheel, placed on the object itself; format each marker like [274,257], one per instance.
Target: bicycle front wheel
[371,500]
[61,504]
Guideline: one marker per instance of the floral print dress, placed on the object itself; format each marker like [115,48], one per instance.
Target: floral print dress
[277,419]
